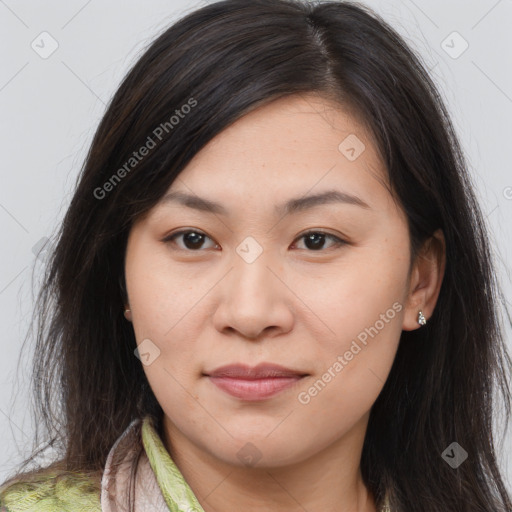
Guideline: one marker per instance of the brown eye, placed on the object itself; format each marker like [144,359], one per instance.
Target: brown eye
[315,240]
[192,239]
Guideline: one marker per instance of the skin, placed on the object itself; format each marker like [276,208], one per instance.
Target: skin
[204,306]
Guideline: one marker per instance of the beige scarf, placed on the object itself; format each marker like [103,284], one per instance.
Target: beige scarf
[127,460]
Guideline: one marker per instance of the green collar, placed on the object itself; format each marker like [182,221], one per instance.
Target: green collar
[176,492]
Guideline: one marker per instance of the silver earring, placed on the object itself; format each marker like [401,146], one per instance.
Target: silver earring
[421,318]
[127,314]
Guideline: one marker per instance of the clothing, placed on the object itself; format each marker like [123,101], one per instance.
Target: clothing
[159,485]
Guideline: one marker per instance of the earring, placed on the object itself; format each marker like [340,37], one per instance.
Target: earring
[421,318]
[127,314]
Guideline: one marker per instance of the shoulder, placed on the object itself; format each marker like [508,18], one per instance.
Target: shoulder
[51,491]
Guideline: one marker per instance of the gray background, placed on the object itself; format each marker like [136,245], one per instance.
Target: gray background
[50,108]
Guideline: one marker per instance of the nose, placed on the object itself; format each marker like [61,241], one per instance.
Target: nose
[254,300]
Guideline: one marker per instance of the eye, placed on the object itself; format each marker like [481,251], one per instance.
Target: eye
[192,240]
[315,240]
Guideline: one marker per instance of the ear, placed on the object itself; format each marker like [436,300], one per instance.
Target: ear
[425,280]
[127,312]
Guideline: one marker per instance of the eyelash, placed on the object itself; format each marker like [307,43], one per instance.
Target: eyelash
[338,241]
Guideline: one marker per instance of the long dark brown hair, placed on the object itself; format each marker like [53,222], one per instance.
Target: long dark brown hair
[225,60]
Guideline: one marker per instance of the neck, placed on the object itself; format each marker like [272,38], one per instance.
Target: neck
[327,480]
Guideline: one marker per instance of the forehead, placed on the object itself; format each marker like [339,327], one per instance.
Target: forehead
[291,125]
[293,146]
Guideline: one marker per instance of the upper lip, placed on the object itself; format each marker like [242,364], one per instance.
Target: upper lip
[262,370]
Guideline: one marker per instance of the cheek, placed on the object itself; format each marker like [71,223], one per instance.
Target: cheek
[174,393]
[352,367]
[353,294]
[361,306]
[162,301]
[159,294]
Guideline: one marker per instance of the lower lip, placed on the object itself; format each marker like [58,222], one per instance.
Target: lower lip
[257,389]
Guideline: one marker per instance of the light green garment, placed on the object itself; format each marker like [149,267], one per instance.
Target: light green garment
[53,492]
[175,490]
[65,492]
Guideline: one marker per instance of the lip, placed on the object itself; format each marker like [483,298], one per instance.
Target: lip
[254,383]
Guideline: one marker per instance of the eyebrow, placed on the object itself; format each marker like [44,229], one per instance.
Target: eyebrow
[289,207]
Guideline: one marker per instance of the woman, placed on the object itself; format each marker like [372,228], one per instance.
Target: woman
[260,298]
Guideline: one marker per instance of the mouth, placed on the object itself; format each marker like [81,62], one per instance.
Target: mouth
[254,383]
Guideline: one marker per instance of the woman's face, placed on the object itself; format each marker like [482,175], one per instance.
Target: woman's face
[319,286]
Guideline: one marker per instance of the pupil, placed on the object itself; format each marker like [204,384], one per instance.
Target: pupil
[194,238]
[311,237]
